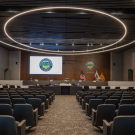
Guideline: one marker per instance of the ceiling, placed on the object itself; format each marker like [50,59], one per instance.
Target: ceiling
[67,27]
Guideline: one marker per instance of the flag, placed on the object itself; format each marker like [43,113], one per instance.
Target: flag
[82,76]
[96,76]
[102,77]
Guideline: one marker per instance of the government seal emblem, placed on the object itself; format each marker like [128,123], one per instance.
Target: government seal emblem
[46,65]
[89,65]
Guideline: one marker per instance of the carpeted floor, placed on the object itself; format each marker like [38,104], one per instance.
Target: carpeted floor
[64,117]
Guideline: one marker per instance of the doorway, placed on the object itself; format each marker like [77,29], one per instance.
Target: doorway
[130,74]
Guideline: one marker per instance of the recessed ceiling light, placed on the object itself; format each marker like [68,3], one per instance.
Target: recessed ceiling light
[42,43]
[56,44]
[53,21]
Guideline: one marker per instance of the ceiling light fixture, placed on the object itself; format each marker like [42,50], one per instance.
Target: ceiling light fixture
[56,44]
[88,44]
[73,44]
[49,8]
[30,43]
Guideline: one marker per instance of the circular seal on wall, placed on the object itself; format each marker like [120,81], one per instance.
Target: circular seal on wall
[46,65]
[89,65]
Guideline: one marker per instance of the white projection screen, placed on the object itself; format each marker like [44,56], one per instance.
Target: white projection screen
[50,65]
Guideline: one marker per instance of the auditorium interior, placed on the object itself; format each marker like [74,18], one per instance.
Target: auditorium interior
[67,67]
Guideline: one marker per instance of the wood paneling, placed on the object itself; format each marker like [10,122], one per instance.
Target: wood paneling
[72,68]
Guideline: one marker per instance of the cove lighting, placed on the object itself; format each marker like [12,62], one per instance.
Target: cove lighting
[75,8]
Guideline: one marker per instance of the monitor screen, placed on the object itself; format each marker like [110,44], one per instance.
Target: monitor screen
[46,65]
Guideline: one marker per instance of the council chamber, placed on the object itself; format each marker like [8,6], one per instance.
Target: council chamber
[67,67]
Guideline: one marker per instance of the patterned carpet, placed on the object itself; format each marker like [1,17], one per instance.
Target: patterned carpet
[64,117]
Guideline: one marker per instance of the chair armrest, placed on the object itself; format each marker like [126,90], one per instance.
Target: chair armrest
[76,96]
[116,112]
[13,112]
[46,104]
[53,96]
[43,108]
[106,128]
[83,104]
[50,100]
[86,107]
[36,116]
[22,128]
[93,116]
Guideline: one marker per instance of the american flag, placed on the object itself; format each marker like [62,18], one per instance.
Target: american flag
[82,76]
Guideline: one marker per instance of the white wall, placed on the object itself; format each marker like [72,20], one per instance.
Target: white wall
[121,83]
[3,62]
[14,69]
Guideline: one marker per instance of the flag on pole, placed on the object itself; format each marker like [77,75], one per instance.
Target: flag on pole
[82,76]
[102,77]
[96,76]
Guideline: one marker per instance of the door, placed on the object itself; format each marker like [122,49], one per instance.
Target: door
[130,74]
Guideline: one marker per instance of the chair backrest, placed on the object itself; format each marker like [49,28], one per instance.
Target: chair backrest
[27,96]
[123,125]
[127,97]
[23,93]
[131,88]
[15,96]
[126,110]
[107,94]
[12,86]
[86,88]
[46,94]
[5,109]
[34,94]
[5,101]
[87,98]
[112,101]
[98,87]
[4,96]
[127,101]
[107,87]
[96,95]
[8,125]
[42,97]
[105,111]
[93,103]
[115,97]
[103,98]
[85,94]
[117,87]
[4,93]
[127,94]
[24,112]
[36,103]
[18,101]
